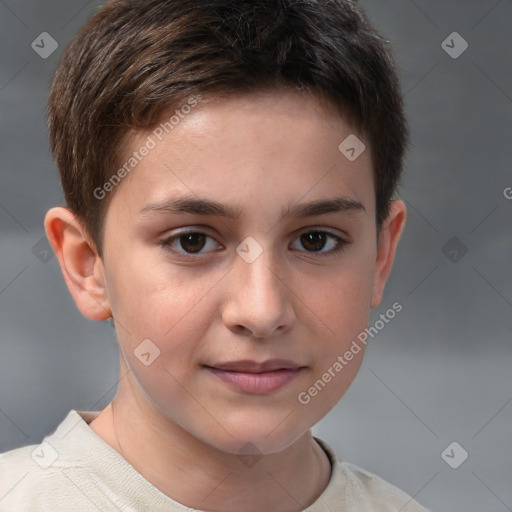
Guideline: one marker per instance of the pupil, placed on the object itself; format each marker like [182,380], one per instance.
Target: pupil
[313,241]
[192,242]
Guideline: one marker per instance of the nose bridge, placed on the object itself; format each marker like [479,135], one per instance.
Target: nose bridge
[258,282]
[259,301]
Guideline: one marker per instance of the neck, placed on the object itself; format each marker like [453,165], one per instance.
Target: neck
[200,476]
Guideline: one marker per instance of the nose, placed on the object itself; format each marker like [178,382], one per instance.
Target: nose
[259,303]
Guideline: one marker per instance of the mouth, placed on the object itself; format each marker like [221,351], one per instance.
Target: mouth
[254,377]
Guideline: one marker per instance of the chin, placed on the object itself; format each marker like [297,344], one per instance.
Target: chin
[257,436]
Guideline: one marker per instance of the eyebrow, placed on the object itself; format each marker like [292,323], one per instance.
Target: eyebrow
[198,206]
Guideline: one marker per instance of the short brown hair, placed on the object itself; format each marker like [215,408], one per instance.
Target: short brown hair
[135,60]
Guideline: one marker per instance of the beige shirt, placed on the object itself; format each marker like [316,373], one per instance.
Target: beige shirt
[75,470]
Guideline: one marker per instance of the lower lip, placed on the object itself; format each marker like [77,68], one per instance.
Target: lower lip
[256,383]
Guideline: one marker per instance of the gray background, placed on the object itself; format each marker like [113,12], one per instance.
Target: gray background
[439,372]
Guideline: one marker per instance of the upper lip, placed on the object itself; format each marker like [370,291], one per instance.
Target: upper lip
[249,366]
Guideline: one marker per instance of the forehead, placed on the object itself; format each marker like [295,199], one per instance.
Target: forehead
[256,151]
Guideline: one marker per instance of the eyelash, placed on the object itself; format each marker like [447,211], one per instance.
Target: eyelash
[341,243]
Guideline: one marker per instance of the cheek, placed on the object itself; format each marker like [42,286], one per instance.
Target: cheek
[343,298]
[164,314]
[153,295]
[165,386]
[343,309]
[342,305]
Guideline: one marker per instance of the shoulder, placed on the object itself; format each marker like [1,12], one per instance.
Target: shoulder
[24,475]
[74,469]
[377,493]
[31,476]
[354,489]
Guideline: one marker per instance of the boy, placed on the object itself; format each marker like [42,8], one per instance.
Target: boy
[229,168]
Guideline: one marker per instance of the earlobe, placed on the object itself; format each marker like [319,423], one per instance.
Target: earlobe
[80,264]
[389,236]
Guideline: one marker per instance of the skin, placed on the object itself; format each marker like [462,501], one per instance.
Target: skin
[177,424]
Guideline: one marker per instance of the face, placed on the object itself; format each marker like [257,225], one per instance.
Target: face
[241,253]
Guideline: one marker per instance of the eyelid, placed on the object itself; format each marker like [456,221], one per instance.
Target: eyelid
[342,241]
[166,242]
[330,231]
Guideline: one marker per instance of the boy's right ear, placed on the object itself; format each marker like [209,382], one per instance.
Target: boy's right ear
[81,266]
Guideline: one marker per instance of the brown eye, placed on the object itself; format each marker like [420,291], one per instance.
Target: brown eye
[314,240]
[319,242]
[192,242]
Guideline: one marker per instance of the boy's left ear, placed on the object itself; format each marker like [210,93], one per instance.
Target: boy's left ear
[389,236]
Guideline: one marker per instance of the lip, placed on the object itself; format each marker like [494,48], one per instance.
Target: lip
[249,366]
[256,377]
